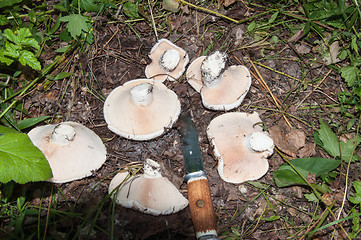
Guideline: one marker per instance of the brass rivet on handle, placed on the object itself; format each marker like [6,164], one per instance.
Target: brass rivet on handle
[200,203]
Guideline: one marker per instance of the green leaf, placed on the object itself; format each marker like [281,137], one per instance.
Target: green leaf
[251,26]
[29,122]
[131,10]
[357,198]
[31,42]
[8,3]
[4,130]
[329,139]
[287,176]
[273,17]
[5,59]
[311,197]
[21,161]
[87,5]
[61,75]
[76,24]
[3,20]
[28,58]
[22,34]
[349,73]
[10,36]
[347,149]
[11,50]
[272,218]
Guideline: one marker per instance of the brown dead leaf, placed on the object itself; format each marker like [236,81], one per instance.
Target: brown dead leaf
[286,139]
[303,48]
[307,151]
[228,2]
[334,51]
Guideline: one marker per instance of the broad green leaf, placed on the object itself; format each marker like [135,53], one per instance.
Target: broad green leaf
[329,139]
[357,198]
[349,73]
[87,5]
[31,42]
[347,149]
[29,122]
[10,36]
[76,24]
[5,59]
[131,10]
[22,34]
[11,50]
[28,58]
[287,176]
[311,197]
[4,130]
[21,161]
[8,3]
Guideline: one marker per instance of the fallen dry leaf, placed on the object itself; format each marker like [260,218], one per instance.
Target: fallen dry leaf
[286,139]
[303,49]
[307,151]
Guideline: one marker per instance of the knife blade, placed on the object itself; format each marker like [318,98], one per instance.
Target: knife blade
[199,196]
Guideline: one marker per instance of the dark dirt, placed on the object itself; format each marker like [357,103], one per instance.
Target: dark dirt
[118,56]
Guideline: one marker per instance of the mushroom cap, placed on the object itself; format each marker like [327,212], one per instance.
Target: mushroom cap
[155,71]
[151,195]
[236,163]
[141,122]
[78,159]
[194,74]
[228,94]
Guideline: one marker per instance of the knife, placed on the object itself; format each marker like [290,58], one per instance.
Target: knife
[199,196]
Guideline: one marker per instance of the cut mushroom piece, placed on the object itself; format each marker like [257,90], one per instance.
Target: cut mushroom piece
[240,146]
[72,150]
[149,192]
[220,88]
[168,61]
[141,109]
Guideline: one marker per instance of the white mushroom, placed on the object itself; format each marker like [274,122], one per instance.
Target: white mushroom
[240,145]
[168,61]
[149,192]
[72,150]
[221,88]
[141,109]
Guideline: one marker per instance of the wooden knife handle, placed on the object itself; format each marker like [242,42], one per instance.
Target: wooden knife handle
[201,207]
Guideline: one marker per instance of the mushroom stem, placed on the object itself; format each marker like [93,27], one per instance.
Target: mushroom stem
[212,68]
[151,169]
[142,94]
[259,142]
[63,134]
[169,60]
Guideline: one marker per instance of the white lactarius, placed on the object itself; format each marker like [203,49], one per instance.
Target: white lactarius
[72,150]
[141,109]
[221,88]
[148,192]
[168,61]
[240,145]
